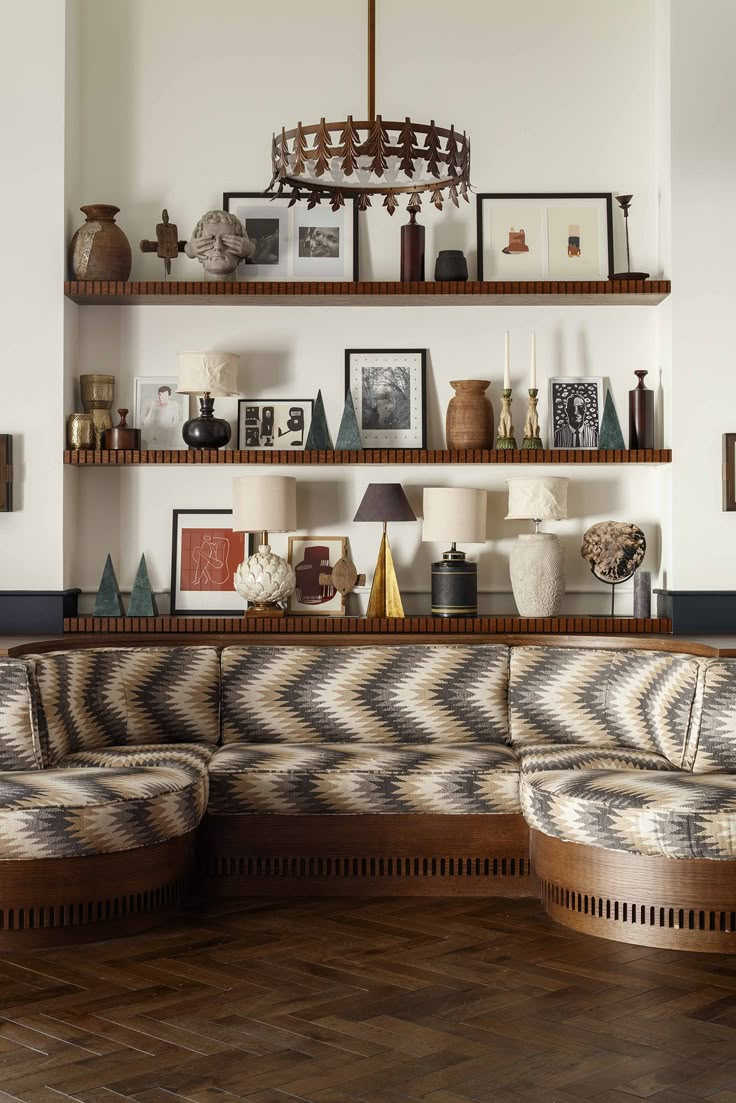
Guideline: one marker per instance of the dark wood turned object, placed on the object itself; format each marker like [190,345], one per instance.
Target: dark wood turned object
[167,245]
[122,436]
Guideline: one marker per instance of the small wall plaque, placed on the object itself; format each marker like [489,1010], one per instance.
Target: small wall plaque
[6,473]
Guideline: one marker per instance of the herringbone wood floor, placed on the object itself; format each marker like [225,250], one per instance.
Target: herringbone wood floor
[383,1001]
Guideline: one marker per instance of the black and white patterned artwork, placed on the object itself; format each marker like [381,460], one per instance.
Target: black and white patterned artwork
[576,406]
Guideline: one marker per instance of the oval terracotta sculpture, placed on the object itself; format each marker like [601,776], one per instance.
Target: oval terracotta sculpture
[100,250]
[469,422]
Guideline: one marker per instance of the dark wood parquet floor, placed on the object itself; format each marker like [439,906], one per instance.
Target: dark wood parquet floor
[382,1001]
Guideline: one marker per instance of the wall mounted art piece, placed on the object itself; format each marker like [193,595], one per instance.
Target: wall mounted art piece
[205,554]
[319,431]
[108,602]
[729,472]
[348,435]
[545,236]
[160,412]
[6,473]
[575,405]
[388,389]
[142,601]
[312,556]
[294,241]
[274,424]
[610,434]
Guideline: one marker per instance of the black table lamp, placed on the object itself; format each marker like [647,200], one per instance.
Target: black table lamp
[385,502]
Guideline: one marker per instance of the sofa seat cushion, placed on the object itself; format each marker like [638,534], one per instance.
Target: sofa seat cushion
[354,779]
[670,815]
[565,756]
[20,748]
[71,813]
[714,750]
[195,756]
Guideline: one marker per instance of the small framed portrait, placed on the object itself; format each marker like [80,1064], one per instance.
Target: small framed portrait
[729,472]
[538,236]
[311,557]
[274,424]
[160,412]
[389,392]
[294,242]
[205,554]
[576,406]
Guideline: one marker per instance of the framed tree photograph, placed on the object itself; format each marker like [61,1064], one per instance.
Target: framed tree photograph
[545,236]
[294,241]
[205,554]
[729,472]
[274,424]
[312,556]
[575,410]
[388,388]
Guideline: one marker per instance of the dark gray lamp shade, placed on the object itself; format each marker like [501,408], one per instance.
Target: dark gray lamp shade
[384,502]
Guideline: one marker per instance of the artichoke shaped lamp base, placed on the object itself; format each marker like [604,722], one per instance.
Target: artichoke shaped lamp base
[538,574]
[265,580]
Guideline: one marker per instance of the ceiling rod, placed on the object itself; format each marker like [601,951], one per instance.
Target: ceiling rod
[372,60]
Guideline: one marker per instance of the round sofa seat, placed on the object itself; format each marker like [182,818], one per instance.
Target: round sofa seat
[196,756]
[662,814]
[72,813]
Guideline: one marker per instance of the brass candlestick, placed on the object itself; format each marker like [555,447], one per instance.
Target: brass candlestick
[532,438]
[505,437]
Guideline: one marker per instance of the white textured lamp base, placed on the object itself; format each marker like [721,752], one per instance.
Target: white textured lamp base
[538,574]
[264,578]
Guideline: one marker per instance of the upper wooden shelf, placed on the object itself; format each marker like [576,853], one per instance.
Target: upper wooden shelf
[397,456]
[364,293]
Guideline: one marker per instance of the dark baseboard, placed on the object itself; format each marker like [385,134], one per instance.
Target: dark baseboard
[33,612]
[712,612]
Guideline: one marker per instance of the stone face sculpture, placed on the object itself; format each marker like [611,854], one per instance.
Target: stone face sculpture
[614,550]
[219,242]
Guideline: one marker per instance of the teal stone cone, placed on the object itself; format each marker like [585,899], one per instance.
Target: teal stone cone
[319,431]
[108,602]
[348,437]
[142,600]
[610,435]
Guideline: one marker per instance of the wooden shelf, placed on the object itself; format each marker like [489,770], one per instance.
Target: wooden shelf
[363,626]
[423,456]
[377,293]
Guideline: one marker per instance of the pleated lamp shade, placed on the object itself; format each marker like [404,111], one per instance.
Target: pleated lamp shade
[264,503]
[384,502]
[456,514]
[537,499]
[214,373]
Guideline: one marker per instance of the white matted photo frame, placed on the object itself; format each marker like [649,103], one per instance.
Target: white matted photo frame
[545,235]
[389,392]
[159,412]
[205,553]
[575,411]
[310,556]
[274,424]
[294,241]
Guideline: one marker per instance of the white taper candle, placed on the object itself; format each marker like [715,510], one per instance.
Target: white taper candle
[533,369]
[507,367]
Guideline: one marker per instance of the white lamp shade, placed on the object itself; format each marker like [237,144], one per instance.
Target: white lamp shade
[455,514]
[537,499]
[213,372]
[264,503]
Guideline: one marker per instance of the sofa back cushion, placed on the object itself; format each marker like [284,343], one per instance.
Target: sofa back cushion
[714,746]
[602,698]
[405,694]
[124,696]
[19,744]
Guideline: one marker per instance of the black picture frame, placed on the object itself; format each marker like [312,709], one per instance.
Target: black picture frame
[422,353]
[243,402]
[607,196]
[175,611]
[268,197]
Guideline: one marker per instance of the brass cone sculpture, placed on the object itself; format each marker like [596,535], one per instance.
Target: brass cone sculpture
[385,599]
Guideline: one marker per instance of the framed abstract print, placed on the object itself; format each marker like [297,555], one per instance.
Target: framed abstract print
[575,411]
[274,424]
[311,556]
[205,554]
[545,236]
[388,388]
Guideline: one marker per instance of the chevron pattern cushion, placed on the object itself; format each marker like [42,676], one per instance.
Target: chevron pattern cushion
[193,756]
[20,748]
[411,694]
[715,749]
[354,779]
[670,815]
[637,699]
[562,756]
[70,813]
[121,697]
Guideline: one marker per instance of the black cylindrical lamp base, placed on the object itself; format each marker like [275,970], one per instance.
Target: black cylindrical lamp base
[454,586]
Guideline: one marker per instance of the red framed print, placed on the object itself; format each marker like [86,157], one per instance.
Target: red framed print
[205,555]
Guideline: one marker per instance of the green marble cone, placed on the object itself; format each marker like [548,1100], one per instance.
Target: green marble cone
[319,431]
[108,602]
[348,437]
[610,435]
[142,600]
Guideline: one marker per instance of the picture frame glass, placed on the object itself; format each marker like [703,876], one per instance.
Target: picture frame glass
[205,555]
[388,389]
[575,411]
[310,556]
[274,424]
[159,412]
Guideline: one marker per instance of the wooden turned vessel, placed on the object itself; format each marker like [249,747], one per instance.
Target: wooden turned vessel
[469,422]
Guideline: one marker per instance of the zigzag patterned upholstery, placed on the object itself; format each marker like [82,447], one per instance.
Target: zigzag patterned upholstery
[70,813]
[670,815]
[20,748]
[194,756]
[715,747]
[121,697]
[601,698]
[375,695]
[353,779]
[564,757]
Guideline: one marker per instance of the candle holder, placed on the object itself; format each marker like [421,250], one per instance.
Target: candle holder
[532,438]
[505,437]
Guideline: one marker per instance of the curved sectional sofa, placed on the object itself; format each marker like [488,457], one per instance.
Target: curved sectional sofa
[602,779]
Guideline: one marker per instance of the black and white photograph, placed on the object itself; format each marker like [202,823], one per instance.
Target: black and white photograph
[576,405]
[159,412]
[296,242]
[274,424]
[388,389]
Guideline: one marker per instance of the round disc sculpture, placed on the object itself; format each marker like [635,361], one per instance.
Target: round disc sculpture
[614,550]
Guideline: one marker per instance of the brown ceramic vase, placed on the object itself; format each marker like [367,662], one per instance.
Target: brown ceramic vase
[100,250]
[469,421]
